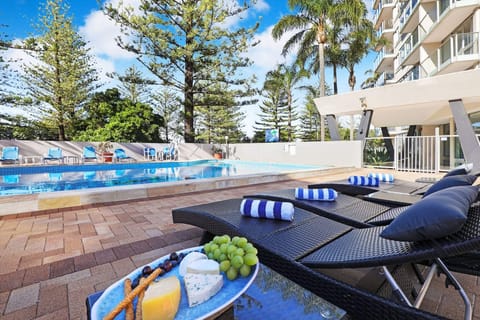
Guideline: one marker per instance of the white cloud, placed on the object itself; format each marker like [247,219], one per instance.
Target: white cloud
[100,32]
[268,53]
[261,5]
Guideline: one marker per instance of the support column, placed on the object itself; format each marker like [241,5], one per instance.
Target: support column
[466,135]
[452,143]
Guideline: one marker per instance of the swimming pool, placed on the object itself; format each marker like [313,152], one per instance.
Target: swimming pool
[39,179]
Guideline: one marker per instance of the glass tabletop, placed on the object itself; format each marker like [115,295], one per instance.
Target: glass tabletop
[272,296]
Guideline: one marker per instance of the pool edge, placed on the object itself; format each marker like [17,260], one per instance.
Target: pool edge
[54,201]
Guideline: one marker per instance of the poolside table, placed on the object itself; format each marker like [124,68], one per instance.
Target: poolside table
[271,296]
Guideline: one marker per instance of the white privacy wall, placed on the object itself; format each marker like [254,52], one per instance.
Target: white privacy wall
[328,153]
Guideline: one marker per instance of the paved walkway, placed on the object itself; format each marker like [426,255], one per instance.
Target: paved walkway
[49,263]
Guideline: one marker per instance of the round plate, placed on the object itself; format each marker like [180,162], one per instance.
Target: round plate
[230,291]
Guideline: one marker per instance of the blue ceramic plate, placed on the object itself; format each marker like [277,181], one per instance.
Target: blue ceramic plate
[230,291]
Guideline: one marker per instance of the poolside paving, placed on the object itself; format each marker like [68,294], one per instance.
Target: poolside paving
[50,262]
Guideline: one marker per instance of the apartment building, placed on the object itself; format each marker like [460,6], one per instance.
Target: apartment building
[426,38]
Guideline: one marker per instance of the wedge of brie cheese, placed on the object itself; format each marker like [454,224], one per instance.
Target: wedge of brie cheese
[203,266]
[201,287]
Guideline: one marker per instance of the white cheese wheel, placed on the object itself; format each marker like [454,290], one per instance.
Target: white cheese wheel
[203,266]
[189,258]
[201,287]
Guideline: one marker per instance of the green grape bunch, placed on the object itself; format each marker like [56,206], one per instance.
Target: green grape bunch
[236,255]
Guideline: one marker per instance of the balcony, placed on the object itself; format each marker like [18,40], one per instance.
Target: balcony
[386,30]
[458,53]
[384,79]
[384,61]
[450,13]
[409,18]
[383,12]
[409,53]
[413,74]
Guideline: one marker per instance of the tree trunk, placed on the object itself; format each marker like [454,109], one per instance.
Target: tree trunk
[321,62]
[335,85]
[188,92]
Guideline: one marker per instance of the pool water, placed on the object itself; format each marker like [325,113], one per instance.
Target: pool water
[37,179]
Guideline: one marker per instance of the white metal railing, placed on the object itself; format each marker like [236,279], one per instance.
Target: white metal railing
[407,11]
[458,45]
[427,154]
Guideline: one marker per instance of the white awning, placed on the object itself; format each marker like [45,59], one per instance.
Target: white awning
[419,102]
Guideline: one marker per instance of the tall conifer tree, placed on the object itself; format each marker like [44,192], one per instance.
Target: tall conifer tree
[186,45]
[64,76]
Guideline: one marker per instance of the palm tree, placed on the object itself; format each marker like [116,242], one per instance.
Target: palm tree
[359,37]
[311,20]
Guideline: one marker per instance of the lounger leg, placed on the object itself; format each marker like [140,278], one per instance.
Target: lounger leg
[457,286]
[438,264]
[397,291]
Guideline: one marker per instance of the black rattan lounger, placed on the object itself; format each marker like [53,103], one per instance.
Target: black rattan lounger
[346,209]
[296,248]
[398,186]
[419,187]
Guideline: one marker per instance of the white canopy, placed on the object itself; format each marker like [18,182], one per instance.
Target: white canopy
[419,102]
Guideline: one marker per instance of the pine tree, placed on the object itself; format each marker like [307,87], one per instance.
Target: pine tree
[220,117]
[166,104]
[274,109]
[133,85]
[310,119]
[184,44]
[64,77]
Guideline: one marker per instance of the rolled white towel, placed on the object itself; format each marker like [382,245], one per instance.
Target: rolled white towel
[323,194]
[384,177]
[267,209]
[363,181]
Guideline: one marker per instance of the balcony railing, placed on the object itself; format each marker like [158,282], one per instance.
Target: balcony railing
[443,5]
[383,78]
[458,45]
[381,55]
[413,74]
[386,25]
[410,43]
[407,11]
[380,7]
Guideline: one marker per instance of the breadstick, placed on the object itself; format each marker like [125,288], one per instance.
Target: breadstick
[129,299]
[138,313]
[127,288]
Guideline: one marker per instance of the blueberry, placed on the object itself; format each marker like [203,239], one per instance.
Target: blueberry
[173,256]
[135,283]
[168,266]
[146,271]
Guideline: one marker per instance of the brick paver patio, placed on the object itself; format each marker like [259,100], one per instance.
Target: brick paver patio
[50,262]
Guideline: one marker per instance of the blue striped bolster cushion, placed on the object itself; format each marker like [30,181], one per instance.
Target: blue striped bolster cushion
[385,177]
[267,209]
[363,181]
[324,194]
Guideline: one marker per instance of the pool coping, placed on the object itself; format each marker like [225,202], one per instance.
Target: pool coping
[13,206]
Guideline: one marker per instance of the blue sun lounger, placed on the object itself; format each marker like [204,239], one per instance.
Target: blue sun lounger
[54,154]
[10,155]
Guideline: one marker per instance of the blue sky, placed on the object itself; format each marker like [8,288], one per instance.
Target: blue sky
[20,15]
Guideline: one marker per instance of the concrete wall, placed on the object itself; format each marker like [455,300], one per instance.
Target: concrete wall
[329,153]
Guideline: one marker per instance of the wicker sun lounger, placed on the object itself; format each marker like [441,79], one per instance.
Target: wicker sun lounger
[399,186]
[295,249]
[346,209]
[419,187]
